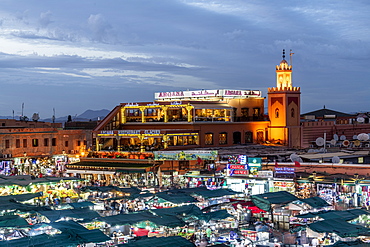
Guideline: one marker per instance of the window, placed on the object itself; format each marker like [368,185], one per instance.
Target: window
[277,113]
[360,160]
[54,142]
[78,143]
[256,112]
[245,112]
[66,143]
[292,112]
[46,142]
[7,143]
[35,142]
[248,137]
[222,138]
[17,143]
[208,139]
[24,143]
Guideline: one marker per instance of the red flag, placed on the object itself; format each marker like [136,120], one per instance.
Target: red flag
[199,160]
[276,164]
[297,164]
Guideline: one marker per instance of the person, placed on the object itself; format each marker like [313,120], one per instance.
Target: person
[314,242]
[68,199]
[208,232]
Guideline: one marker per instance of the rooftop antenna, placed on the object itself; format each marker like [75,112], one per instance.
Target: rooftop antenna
[53,117]
[22,109]
[291,57]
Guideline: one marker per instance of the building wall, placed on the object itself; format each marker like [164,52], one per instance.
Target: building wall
[18,142]
[312,130]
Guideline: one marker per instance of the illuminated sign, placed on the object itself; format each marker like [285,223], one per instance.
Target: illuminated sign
[233,172]
[208,94]
[126,132]
[254,161]
[231,166]
[285,170]
[186,155]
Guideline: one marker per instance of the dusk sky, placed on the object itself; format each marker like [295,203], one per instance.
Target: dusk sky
[77,55]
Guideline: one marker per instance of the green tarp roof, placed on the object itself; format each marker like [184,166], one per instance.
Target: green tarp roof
[216,215]
[356,243]
[79,233]
[160,242]
[176,198]
[187,210]
[12,202]
[12,221]
[79,213]
[339,226]
[24,180]
[335,214]
[264,201]
[84,204]
[215,193]
[170,221]
[128,219]
[315,202]
[43,240]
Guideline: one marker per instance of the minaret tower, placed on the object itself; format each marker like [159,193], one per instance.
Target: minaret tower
[284,107]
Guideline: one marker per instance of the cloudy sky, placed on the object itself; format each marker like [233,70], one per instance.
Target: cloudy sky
[76,55]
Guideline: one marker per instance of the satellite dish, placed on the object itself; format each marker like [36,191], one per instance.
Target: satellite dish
[336,137]
[354,137]
[335,159]
[360,119]
[320,141]
[295,157]
[363,137]
[345,143]
[342,137]
[35,117]
[357,143]
[333,142]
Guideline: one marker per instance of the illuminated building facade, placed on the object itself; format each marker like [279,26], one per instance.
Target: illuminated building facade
[284,108]
[205,118]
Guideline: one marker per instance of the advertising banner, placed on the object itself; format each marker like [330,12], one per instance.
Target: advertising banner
[186,155]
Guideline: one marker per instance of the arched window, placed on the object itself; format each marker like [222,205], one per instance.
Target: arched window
[222,138]
[277,113]
[208,138]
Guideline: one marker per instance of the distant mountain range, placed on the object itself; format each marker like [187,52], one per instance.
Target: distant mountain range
[88,115]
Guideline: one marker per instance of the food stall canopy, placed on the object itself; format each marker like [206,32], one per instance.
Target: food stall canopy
[335,214]
[80,234]
[356,243]
[169,221]
[84,204]
[315,202]
[12,221]
[340,227]
[176,198]
[216,215]
[79,213]
[24,180]
[216,193]
[264,201]
[183,210]
[42,240]
[128,219]
[160,242]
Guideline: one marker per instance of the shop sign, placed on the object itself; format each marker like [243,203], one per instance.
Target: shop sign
[128,132]
[106,132]
[233,172]
[238,159]
[208,94]
[254,161]
[152,131]
[233,166]
[265,174]
[284,170]
[186,155]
